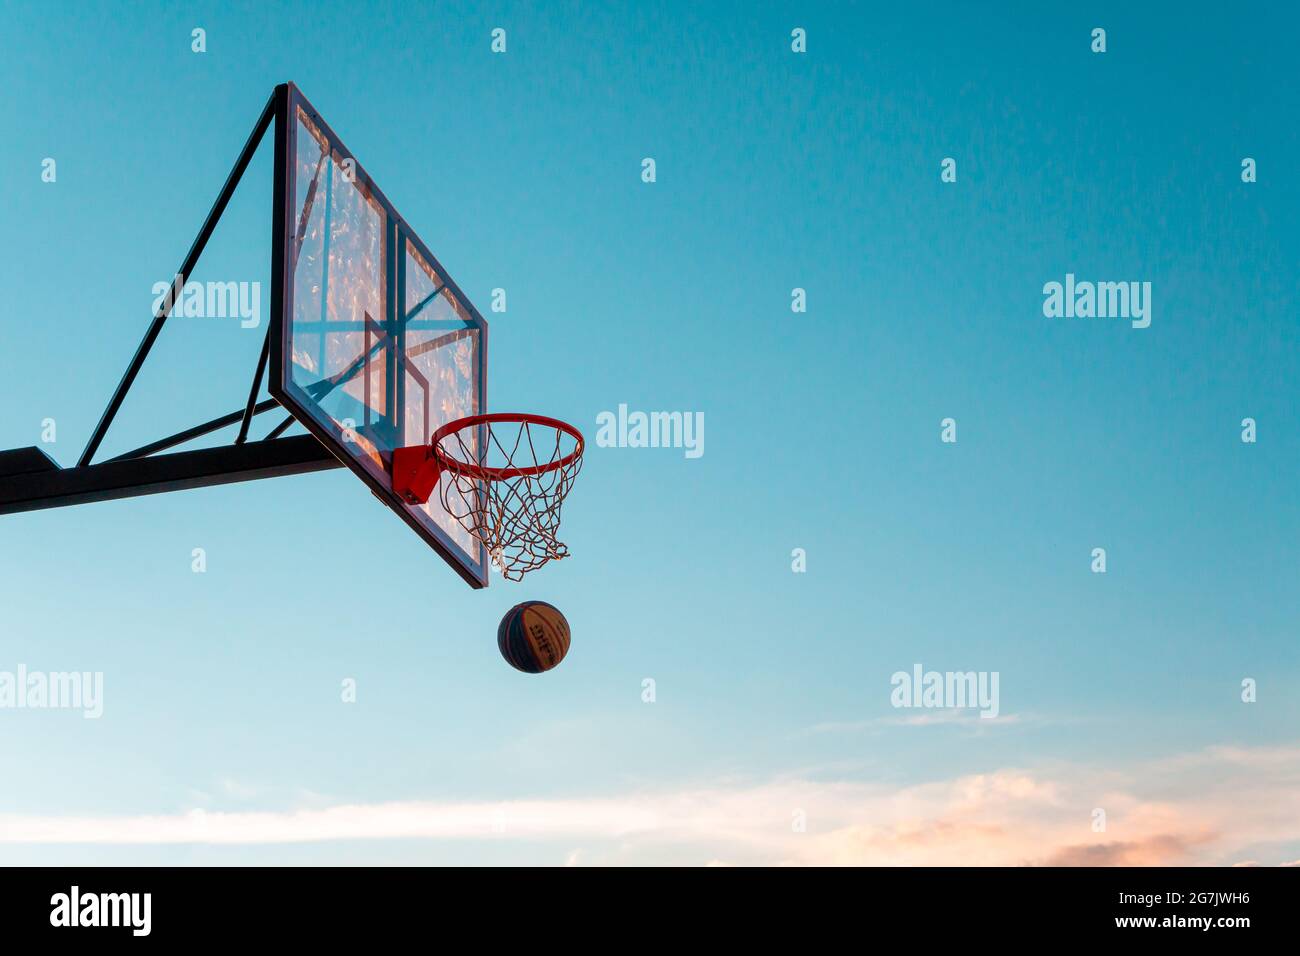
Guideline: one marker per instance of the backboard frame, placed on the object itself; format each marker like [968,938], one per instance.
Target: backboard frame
[288,99]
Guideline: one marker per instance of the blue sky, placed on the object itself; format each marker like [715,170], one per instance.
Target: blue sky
[775,170]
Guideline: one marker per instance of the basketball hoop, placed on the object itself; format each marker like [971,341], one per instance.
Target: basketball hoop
[503,477]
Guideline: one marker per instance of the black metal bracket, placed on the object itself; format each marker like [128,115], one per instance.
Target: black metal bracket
[30,480]
[55,487]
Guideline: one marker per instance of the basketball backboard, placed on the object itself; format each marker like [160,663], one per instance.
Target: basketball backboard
[373,347]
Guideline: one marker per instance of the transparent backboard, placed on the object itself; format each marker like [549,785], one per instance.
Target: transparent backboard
[375,346]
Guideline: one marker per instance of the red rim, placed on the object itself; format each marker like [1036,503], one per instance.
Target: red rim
[487,473]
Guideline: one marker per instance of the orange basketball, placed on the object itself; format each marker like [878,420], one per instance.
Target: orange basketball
[533,637]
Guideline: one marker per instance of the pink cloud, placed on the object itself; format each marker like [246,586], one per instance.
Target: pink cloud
[1213,807]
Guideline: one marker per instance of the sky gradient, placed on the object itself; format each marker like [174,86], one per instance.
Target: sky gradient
[223,738]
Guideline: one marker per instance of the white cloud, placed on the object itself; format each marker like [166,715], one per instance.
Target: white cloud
[969,719]
[1216,806]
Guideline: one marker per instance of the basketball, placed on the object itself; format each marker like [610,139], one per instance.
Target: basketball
[533,637]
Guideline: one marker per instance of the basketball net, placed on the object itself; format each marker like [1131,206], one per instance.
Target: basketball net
[504,479]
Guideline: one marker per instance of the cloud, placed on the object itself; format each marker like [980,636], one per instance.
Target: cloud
[1212,807]
[1160,850]
[236,789]
[954,717]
